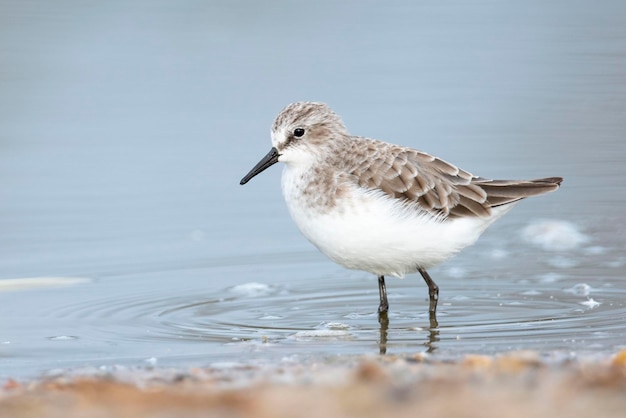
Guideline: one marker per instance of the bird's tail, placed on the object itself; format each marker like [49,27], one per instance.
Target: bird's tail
[503,192]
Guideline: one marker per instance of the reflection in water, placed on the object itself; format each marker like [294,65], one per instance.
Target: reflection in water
[433,337]
[430,344]
[383,320]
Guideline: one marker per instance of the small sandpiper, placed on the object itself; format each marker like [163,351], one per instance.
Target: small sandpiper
[382,208]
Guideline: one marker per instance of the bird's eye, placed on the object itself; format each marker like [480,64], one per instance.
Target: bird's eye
[298,132]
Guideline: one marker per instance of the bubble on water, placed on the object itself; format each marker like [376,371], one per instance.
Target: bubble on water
[336,325]
[358,315]
[550,277]
[271,317]
[321,333]
[580,289]
[252,289]
[335,330]
[554,235]
[63,338]
[590,303]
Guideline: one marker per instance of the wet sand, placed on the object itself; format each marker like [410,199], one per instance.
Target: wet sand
[518,384]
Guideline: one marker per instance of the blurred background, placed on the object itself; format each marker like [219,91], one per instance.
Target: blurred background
[125,128]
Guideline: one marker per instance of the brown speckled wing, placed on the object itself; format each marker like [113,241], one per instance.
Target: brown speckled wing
[438,187]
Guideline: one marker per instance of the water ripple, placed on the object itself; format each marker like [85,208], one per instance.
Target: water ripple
[488,318]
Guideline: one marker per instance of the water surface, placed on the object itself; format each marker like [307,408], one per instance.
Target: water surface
[125,237]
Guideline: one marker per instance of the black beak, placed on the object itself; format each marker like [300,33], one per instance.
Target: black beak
[269,160]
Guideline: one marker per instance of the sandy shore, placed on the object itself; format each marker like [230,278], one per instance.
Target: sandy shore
[510,385]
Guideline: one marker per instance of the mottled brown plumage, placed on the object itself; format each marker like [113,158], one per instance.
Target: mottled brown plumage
[420,180]
[437,186]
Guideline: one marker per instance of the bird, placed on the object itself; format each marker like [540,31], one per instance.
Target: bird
[378,207]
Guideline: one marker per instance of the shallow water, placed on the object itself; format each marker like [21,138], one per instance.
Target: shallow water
[125,237]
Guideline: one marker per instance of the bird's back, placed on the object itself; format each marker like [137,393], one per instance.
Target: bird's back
[434,185]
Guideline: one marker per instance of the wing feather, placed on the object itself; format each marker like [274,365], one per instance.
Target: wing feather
[438,187]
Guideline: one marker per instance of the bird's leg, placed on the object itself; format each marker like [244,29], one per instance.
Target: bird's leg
[382,290]
[383,320]
[434,324]
[433,290]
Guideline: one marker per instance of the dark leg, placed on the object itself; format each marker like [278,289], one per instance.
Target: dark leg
[433,290]
[383,320]
[382,290]
[434,324]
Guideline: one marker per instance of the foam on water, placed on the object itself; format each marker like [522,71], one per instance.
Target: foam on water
[554,235]
[29,283]
[252,289]
[590,303]
[580,289]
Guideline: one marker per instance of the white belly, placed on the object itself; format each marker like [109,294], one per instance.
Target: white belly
[369,231]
